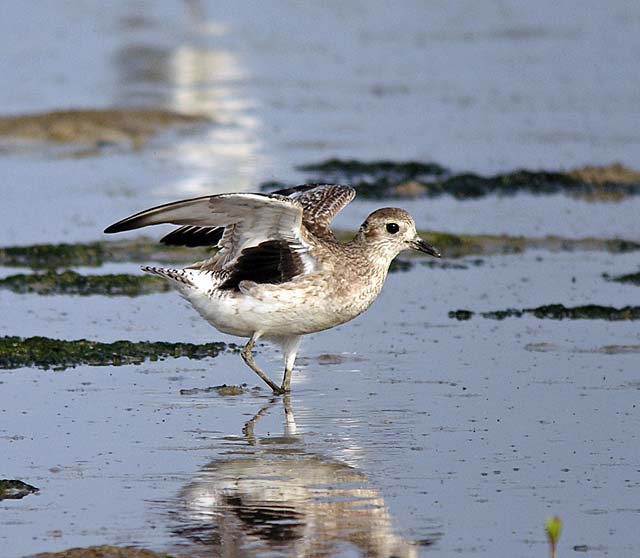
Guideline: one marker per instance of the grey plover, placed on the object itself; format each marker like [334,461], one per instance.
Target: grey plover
[279,272]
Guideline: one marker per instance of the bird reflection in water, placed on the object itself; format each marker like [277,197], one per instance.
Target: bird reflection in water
[280,500]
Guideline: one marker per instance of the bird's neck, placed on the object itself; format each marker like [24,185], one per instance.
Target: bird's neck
[377,255]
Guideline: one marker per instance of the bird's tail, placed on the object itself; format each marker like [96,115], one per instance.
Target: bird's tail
[178,277]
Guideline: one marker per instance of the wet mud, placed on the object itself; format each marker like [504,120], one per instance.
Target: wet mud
[95,254]
[628,278]
[106,551]
[604,350]
[15,489]
[223,390]
[557,312]
[58,354]
[412,179]
[97,128]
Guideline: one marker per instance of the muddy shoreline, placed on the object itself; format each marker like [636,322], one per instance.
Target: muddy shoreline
[143,249]
[58,354]
[415,179]
[96,127]
[108,551]
[557,312]
[73,283]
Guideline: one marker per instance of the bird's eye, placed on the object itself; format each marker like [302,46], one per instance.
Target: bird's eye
[393,228]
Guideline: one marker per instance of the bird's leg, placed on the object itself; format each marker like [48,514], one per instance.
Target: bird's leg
[248,358]
[286,380]
[290,347]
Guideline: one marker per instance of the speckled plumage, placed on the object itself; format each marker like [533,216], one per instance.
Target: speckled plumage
[280,273]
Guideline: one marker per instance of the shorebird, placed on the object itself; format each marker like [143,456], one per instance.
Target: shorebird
[279,272]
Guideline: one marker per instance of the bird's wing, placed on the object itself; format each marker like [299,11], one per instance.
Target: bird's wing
[192,236]
[320,203]
[248,220]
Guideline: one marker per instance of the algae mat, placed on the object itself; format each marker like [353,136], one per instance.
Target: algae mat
[412,179]
[558,312]
[57,354]
[144,249]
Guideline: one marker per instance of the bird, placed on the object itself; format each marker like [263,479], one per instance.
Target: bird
[279,272]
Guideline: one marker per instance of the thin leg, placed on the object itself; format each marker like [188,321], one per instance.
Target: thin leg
[290,346]
[286,381]
[248,358]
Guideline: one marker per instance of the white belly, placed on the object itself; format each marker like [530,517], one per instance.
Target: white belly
[273,310]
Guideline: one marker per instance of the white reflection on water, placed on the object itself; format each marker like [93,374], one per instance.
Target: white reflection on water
[279,498]
[206,82]
[193,75]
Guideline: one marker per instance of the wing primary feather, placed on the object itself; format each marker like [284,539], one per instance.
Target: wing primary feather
[209,211]
[179,213]
[192,236]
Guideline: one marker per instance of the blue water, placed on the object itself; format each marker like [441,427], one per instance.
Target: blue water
[410,428]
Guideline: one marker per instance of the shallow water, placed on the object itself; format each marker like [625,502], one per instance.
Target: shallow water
[462,434]
[409,433]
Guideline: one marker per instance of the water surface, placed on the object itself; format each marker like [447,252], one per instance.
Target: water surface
[409,433]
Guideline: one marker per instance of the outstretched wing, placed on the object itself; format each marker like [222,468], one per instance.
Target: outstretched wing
[320,204]
[248,220]
[259,236]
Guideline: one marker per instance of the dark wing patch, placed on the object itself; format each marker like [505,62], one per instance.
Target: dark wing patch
[273,262]
[192,236]
[320,203]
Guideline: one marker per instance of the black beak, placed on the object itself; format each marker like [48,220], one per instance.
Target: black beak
[421,246]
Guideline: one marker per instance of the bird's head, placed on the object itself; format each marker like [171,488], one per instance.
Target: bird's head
[392,230]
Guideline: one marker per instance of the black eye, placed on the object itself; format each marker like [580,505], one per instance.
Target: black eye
[392,228]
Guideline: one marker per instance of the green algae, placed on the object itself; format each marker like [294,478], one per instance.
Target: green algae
[558,312]
[463,245]
[73,283]
[145,250]
[58,354]
[95,254]
[15,489]
[461,315]
[603,350]
[353,168]
[39,256]
[630,278]
[222,390]
[106,551]
[469,185]
[389,179]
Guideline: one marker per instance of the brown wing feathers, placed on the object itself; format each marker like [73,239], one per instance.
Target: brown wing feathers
[320,203]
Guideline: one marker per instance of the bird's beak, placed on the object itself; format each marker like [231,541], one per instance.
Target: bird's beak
[421,246]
